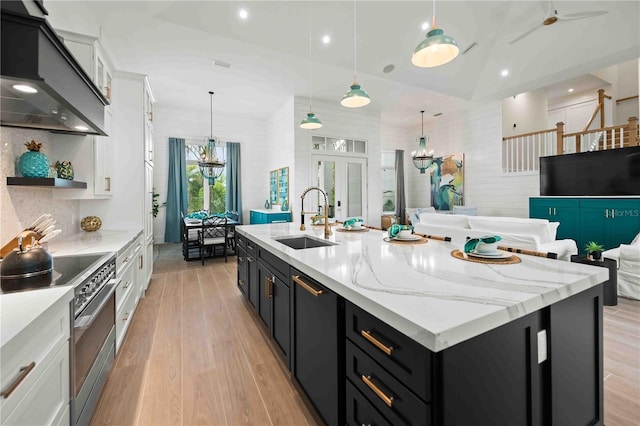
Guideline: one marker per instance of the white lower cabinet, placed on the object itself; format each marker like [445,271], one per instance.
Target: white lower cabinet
[129,267]
[47,402]
[34,370]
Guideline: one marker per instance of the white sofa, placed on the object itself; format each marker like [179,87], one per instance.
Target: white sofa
[628,258]
[529,234]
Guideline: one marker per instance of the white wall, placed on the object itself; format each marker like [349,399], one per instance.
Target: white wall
[21,205]
[280,139]
[254,150]
[478,134]
[527,111]
[628,82]
[338,121]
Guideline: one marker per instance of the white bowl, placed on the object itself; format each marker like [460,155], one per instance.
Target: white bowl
[404,233]
[484,248]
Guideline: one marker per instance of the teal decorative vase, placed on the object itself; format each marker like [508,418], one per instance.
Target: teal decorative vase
[64,169]
[34,164]
[267,205]
[285,205]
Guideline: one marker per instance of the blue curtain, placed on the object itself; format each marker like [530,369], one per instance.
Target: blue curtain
[234,192]
[176,190]
[401,203]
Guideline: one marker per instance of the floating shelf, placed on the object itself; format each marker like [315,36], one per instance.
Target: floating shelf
[46,182]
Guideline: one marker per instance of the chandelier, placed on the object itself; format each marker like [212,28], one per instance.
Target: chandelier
[422,158]
[211,167]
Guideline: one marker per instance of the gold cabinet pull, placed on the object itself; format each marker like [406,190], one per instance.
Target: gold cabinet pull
[377,343]
[24,372]
[308,287]
[386,399]
[242,283]
[240,259]
[268,287]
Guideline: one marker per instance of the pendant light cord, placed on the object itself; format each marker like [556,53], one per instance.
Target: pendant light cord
[355,30]
[309,63]
[433,27]
[422,112]
[211,110]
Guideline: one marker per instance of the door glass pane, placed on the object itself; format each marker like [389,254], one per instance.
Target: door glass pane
[354,190]
[360,146]
[327,182]
[349,145]
[336,145]
[317,143]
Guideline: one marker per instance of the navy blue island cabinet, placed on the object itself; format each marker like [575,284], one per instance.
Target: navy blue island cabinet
[351,368]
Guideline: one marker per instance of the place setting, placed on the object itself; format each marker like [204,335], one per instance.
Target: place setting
[353,224]
[485,250]
[403,234]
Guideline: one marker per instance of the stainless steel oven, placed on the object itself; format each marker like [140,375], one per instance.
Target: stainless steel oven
[93,328]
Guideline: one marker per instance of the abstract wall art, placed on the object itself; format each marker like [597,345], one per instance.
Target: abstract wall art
[447,182]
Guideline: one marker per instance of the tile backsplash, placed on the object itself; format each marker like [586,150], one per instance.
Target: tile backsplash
[21,205]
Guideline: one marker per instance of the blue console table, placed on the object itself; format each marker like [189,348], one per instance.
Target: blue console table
[258,216]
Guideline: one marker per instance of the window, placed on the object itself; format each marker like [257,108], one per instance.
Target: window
[201,195]
[332,145]
[388,162]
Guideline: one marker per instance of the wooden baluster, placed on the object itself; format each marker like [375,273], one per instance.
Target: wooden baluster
[634,138]
[601,105]
[560,137]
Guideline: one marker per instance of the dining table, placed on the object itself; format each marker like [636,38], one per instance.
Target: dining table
[192,225]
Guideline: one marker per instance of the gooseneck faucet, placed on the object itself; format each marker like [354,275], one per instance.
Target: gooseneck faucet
[327,229]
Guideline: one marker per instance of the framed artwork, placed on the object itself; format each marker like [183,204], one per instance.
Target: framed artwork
[279,187]
[447,182]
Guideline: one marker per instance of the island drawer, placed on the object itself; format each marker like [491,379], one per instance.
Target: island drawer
[385,392]
[277,265]
[241,241]
[404,358]
[361,412]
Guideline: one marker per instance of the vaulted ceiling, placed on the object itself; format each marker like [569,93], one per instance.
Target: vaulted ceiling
[175,42]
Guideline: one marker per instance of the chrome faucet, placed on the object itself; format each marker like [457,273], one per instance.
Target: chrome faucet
[327,229]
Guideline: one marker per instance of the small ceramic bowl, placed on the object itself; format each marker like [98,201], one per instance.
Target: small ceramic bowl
[484,248]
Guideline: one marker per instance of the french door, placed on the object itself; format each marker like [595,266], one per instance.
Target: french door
[344,179]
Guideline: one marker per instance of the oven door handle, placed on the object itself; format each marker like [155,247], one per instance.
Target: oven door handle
[84,322]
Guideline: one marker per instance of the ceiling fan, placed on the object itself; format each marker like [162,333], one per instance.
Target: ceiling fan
[552,16]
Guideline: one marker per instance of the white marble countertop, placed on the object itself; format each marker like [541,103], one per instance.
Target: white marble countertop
[420,289]
[18,310]
[92,242]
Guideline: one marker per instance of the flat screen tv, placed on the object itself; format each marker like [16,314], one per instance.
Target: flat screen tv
[601,173]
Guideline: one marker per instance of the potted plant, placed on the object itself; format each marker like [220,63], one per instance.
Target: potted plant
[594,250]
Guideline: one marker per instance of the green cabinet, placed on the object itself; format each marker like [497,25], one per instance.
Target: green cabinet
[563,210]
[607,221]
[267,216]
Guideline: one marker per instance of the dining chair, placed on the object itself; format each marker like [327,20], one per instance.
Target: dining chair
[189,238]
[212,235]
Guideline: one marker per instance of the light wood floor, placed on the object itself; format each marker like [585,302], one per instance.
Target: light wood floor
[195,355]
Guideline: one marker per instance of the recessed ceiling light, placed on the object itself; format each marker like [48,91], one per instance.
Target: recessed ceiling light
[81,128]
[243,14]
[24,88]
[326,39]
[425,25]
[504,73]
[570,90]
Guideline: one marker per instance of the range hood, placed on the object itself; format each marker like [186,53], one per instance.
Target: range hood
[60,96]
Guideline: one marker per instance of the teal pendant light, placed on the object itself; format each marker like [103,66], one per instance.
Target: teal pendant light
[310,122]
[356,97]
[437,49]
[422,158]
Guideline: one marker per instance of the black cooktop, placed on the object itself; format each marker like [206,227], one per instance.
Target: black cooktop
[67,268]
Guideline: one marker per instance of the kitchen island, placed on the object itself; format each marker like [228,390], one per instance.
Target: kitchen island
[448,341]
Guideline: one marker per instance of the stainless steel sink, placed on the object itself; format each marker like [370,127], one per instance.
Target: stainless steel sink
[304,242]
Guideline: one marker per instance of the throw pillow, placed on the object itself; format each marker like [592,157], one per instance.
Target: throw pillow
[636,240]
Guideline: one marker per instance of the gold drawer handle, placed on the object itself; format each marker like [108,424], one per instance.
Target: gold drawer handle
[242,283]
[24,372]
[268,287]
[309,288]
[386,399]
[378,344]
